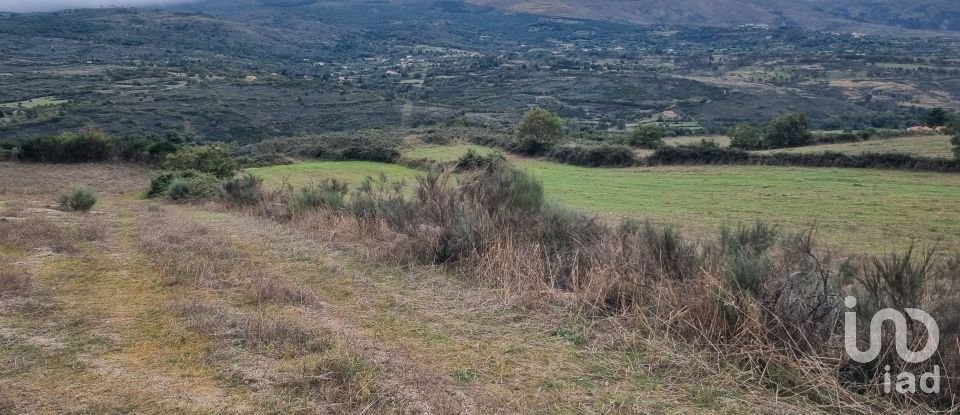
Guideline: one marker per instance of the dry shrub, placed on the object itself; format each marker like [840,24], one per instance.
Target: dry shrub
[265,288]
[14,282]
[263,333]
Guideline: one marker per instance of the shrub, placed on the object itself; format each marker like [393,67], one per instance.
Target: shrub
[954,130]
[593,155]
[85,145]
[745,137]
[646,136]
[538,131]
[205,159]
[791,130]
[181,185]
[506,189]
[472,160]
[78,199]
[328,194]
[242,190]
[179,189]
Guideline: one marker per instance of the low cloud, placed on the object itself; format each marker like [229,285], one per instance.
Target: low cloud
[22,6]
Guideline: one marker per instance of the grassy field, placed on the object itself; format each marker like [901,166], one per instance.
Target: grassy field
[925,145]
[866,210]
[302,174]
[721,140]
[444,153]
[860,210]
[35,102]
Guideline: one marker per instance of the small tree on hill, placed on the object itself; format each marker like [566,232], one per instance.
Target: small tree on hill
[646,136]
[791,130]
[746,137]
[538,131]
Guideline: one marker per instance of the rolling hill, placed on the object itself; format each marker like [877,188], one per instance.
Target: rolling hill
[861,15]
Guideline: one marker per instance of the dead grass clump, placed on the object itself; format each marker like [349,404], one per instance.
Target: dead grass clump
[270,289]
[36,233]
[340,381]
[279,335]
[14,282]
[257,331]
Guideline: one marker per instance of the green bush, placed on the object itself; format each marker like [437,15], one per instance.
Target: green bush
[474,161]
[745,137]
[78,199]
[954,130]
[190,184]
[241,190]
[205,159]
[593,155]
[179,189]
[83,146]
[537,132]
[646,136]
[91,145]
[791,130]
[329,194]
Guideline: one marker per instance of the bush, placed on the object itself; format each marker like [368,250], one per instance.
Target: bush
[84,146]
[329,194]
[90,145]
[78,199]
[190,184]
[646,136]
[791,130]
[474,161]
[954,130]
[537,132]
[593,155]
[745,137]
[241,190]
[718,155]
[205,159]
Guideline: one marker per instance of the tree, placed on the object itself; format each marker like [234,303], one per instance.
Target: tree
[954,130]
[745,136]
[790,130]
[538,131]
[646,136]
[206,159]
[937,117]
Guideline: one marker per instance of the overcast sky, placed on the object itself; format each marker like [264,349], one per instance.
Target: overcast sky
[49,5]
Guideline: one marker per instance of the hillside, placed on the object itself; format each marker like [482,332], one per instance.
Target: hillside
[862,15]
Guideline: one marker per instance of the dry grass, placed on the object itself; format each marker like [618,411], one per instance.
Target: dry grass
[46,180]
[13,282]
[37,233]
[235,300]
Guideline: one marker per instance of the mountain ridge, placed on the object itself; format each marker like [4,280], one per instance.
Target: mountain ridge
[869,16]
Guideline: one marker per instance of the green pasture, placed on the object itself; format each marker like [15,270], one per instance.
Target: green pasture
[857,209]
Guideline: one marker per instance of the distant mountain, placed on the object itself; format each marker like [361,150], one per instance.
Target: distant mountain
[870,16]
